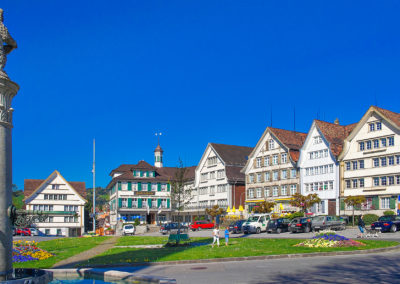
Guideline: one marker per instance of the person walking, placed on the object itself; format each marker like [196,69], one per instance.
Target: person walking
[226,236]
[361,226]
[215,236]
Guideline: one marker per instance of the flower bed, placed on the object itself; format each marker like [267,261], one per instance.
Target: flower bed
[28,250]
[329,239]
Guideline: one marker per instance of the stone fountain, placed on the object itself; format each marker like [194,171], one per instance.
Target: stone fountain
[8,89]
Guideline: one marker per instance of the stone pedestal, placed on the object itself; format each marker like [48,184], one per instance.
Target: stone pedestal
[8,90]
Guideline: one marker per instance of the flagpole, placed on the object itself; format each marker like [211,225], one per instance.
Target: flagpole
[94,185]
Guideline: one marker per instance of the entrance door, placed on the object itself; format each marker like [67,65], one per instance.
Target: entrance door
[332,207]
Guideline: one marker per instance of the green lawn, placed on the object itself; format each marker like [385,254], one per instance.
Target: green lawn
[62,248]
[237,248]
[138,240]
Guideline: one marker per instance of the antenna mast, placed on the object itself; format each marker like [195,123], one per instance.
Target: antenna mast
[94,185]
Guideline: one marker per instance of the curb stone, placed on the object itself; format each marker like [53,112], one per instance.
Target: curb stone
[245,258]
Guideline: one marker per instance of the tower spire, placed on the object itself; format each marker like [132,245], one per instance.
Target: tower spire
[158,152]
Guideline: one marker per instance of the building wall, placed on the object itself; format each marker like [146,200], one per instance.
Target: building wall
[58,224]
[260,186]
[319,173]
[360,181]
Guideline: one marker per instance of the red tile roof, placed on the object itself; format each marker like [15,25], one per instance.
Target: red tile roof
[335,134]
[30,185]
[293,140]
[393,116]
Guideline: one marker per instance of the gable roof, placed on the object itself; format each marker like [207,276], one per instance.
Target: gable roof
[292,140]
[390,115]
[232,155]
[141,165]
[335,134]
[32,185]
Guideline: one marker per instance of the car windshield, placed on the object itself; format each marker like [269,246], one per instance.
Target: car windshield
[305,220]
[129,227]
[385,218]
[253,219]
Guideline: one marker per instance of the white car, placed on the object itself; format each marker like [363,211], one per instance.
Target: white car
[34,232]
[256,223]
[128,230]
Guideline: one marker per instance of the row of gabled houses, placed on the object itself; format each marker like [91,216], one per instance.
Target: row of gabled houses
[332,160]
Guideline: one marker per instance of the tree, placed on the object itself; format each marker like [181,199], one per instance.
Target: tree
[354,201]
[181,192]
[304,201]
[265,207]
[214,211]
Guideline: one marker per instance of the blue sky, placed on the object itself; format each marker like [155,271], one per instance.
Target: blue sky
[198,71]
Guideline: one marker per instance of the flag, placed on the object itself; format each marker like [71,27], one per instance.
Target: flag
[148,208]
[159,209]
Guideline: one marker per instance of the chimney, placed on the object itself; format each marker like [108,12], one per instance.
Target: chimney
[336,121]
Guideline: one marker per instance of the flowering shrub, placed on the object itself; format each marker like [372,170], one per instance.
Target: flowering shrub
[27,251]
[329,239]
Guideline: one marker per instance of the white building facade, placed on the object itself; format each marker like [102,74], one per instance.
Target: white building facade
[319,168]
[271,170]
[63,202]
[370,162]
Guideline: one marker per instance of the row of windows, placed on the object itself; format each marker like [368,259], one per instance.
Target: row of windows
[137,173]
[375,126]
[376,143]
[355,165]
[211,175]
[274,190]
[55,197]
[318,154]
[367,205]
[320,170]
[210,203]
[212,161]
[142,186]
[386,161]
[376,181]
[43,207]
[211,189]
[143,203]
[67,219]
[319,186]
[271,160]
[275,175]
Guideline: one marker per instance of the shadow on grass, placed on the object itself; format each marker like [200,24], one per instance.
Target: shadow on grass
[371,269]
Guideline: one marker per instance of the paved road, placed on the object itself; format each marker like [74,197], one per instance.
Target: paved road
[373,268]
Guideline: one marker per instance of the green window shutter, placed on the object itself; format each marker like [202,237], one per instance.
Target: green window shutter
[158,186]
[129,202]
[341,204]
[119,185]
[141,173]
[129,185]
[392,203]
[139,186]
[158,203]
[168,187]
[149,202]
[139,203]
[375,202]
[149,186]
[147,174]
[168,203]
[134,173]
[119,202]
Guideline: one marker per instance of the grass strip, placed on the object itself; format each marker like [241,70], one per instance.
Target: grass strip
[62,248]
[201,249]
[140,240]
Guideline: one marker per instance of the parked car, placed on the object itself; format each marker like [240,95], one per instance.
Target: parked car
[278,225]
[256,223]
[172,228]
[23,232]
[300,225]
[387,224]
[34,231]
[328,222]
[128,230]
[236,226]
[200,225]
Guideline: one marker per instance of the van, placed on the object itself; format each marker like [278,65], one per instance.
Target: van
[256,223]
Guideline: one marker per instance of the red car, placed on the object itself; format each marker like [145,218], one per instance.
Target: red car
[23,232]
[199,225]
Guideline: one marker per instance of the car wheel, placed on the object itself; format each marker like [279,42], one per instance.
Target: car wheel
[307,229]
[258,230]
[393,229]
[279,230]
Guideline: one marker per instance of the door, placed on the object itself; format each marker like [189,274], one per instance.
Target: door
[332,207]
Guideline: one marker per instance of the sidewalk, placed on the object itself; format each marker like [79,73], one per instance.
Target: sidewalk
[86,255]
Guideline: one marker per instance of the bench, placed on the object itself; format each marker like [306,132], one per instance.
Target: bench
[175,238]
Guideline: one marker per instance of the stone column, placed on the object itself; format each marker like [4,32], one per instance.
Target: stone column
[8,90]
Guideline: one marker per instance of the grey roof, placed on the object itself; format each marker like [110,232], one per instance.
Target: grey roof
[232,155]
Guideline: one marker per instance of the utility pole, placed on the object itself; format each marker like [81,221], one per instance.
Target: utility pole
[94,185]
